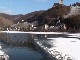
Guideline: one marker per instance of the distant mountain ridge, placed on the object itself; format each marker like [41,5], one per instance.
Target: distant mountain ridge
[26,17]
[20,17]
[7,20]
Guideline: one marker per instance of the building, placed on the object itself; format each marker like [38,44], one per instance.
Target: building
[56,4]
[61,2]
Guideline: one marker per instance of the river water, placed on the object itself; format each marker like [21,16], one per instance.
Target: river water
[22,53]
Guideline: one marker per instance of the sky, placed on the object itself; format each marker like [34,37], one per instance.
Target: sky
[15,7]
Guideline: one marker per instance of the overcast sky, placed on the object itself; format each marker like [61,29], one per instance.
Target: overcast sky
[27,6]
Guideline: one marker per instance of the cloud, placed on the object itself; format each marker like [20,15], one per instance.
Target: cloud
[42,0]
[5,10]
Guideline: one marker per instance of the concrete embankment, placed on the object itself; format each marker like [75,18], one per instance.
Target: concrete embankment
[44,50]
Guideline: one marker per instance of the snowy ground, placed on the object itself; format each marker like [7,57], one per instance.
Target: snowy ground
[33,32]
[68,46]
[1,52]
[3,55]
[64,48]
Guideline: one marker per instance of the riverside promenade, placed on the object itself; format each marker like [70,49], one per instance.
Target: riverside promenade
[62,46]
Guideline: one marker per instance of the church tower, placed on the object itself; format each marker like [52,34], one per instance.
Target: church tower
[61,2]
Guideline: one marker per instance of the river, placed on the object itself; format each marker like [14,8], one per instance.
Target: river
[22,53]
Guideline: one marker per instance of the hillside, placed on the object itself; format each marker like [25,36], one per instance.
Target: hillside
[5,22]
[20,17]
[27,17]
[73,22]
[49,16]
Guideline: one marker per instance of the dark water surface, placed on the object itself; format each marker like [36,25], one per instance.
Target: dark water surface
[22,53]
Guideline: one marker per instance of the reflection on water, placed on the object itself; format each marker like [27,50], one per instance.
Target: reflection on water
[22,53]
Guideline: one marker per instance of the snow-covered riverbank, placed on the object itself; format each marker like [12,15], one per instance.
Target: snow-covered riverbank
[33,32]
[64,48]
[67,47]
[3,56]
